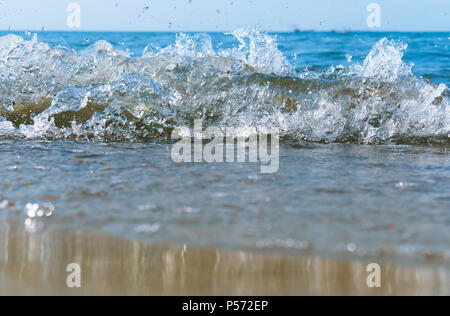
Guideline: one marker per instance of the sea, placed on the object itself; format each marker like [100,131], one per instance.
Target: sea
[361,121]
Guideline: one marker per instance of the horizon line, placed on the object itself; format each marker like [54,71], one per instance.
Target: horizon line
[342,31]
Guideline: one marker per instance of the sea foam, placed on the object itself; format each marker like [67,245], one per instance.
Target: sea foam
[104,93]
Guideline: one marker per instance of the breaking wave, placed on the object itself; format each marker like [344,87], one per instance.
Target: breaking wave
[103,93]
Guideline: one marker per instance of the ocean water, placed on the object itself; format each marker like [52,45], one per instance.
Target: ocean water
[363,120]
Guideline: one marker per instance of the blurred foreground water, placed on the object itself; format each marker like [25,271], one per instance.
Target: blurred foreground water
[35,264]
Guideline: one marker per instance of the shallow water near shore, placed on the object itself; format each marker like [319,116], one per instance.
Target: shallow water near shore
[35,264]
[337,199]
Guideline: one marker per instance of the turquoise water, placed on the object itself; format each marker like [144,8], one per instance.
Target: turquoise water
[363,120]
[318,50]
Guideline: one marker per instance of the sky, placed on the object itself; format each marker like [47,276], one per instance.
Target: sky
[223,15]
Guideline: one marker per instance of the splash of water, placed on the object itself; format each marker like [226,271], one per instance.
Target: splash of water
[104,93]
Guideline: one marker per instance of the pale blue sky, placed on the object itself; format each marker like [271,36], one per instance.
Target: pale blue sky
[220,15]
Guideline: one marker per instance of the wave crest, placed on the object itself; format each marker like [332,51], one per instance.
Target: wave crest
[104,93]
